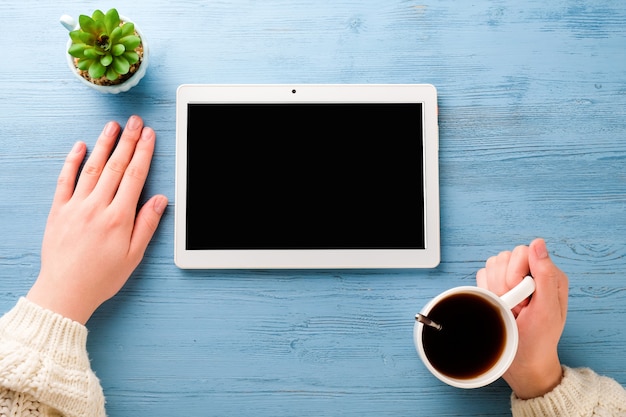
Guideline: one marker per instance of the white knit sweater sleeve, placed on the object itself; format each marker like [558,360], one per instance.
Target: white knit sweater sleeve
[44,366]
[581,393]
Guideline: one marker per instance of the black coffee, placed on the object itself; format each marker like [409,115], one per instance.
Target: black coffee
[472,337]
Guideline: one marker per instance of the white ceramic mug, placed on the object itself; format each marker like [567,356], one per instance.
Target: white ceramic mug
[471,335]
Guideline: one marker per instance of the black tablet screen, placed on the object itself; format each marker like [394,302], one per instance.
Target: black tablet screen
[305,176]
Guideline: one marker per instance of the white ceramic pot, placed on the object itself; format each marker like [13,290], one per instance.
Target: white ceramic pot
[70,24]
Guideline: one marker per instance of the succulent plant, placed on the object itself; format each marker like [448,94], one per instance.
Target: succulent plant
[104,46]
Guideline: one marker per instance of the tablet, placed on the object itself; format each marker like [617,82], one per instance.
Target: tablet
[306,176]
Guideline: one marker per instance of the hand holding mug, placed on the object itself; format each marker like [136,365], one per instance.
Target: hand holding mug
[533,367]
[536,368]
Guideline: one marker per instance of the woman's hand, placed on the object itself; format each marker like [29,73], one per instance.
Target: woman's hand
[536,369]
[94,237]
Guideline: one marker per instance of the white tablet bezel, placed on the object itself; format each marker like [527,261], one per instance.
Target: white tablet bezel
[312,259]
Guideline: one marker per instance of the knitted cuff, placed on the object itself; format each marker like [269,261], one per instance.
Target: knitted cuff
[44,355]
[575,396]
[50,334]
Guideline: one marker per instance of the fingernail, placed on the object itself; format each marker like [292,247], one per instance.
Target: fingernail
[160,204]
[540,250]
[110,129]
[134,122]
[147,134]
[77,147]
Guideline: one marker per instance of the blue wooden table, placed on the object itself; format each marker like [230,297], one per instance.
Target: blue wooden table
[533,143]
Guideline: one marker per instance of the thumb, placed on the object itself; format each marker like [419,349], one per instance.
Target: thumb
[551,282]
[539,262]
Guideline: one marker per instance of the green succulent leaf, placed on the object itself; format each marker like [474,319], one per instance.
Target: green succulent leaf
[97,15]
[128,28]
[118,50]
[121,65]
[111,20]
[75,35]
[84,64]
[87,24]
[92,53]
[100,26]
[132,57]
[87,38]
[115,35]
[78,36]
[77,50]
[111,74]
[96,69]
[130,42]
[106,60]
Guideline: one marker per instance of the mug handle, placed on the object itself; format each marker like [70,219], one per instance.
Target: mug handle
[68,22]
[519,293]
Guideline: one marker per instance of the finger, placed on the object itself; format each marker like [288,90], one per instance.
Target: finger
[481,278]
[92,170]
[146,223]
[488,274]
[67,177]
[117,164]
[136,173]
[516,271]
[496,272]
[518,267]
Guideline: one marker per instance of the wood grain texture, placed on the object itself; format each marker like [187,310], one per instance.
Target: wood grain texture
[533,143]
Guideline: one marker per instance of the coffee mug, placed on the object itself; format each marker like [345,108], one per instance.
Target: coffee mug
[471,336]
